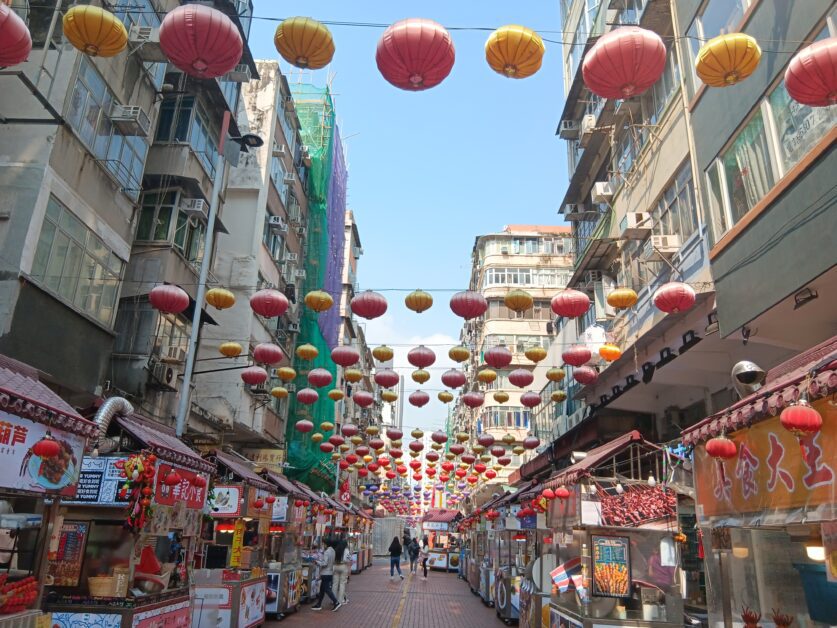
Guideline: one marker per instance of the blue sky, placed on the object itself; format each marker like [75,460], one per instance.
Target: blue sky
[430,171]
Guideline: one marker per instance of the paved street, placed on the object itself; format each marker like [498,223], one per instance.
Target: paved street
[442,601]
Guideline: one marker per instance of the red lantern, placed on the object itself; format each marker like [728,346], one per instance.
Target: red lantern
[800,419]
[570,303]
[468,304]
[168,299]
[447,465]
[387,378]
[416,445]
[419,398]
[485,439]
[530,399]
[363,398]
[336,440]
[376,444]
[172,478]
[468,458]
[453,378]
[351,458]
[674,297]
[530,442]
[623,63]
[254,376]
[267,303]
[343,464]
[811,77]
[15,40]
[270,499]
[479,467]
[362,450]
[348,430]
[721,448]
[199,481]
[548,493]
[586,375]
[577,355]
[201,41]
[521,377]
[298,503]
[471,479]
[421,357]
[304,426]
[396,453]
[369,305]
[415,465]
[498,357]
[417,476]
[319,377]
[47,448]
[307,396]
[363,472]
[266,353]
[258,504]
[345,356]
[504,461]
[498,451]
[473,399]
[491,474]
[460,473]
[415,54]
[457,449]
[373,466]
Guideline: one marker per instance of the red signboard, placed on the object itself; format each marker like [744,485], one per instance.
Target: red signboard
[186,491]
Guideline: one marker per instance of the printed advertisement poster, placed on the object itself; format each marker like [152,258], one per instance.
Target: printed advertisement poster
[611,566]
[185,492]
[559,620]
[85,620]
[829,542]
[437,559]
[28,472]
[251,604]
[213,606]
[237,543]
[177,615]
[65,567]
[280,509]
[273,593]
[354,562]
[227,501]
[99,481]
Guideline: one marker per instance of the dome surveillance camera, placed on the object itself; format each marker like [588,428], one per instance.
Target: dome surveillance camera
[747,378]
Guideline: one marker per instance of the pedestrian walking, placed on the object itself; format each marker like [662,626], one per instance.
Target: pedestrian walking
[424,556]
[395,558]
[326,564]
[342,566]
[414,550]
[405,545]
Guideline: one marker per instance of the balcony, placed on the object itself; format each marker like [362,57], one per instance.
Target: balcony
[179,165]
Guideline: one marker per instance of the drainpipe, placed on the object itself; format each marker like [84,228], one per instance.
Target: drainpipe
[109,409]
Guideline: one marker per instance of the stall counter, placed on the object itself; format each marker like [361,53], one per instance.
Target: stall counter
[174,611]
[230,603]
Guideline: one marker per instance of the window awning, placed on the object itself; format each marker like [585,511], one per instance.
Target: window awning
[595,458]
[309,494]
[440,515]
[284,485]
[161,441]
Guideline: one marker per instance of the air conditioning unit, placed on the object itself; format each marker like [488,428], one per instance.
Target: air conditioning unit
[277,224]
[591,277]
[279,150]
[504,250]
[578,212]
[293,328]
[635,225]
[166,374]
[300,273]
[239,74]
[569,130]
[259,390]
[665,246]
[588,125]
[294,213]
[602,192]
[291,257]
[145,42]
[301,231]
[194,207]
[288,178]
[129,120]
[290,387]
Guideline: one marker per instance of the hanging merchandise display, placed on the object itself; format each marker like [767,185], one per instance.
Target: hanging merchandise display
[201,41]
[727,59]
[304,43]
[624,62]
[811,77]
[220,298]
[415,54]
[15,40]
[94,31]
[514,51]
[418,301]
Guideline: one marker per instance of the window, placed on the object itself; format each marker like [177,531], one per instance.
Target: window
[172,337]
[747,169]
[142,13]
[277,175]
[89,116]
[74,264]
[182,120]
[161,220]
[273,240]
[535,277]
[676,211]
[656,99]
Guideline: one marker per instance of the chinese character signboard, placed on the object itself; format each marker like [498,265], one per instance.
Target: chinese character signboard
[237,543]
[186,492]
[24,471]
[611,566]
[99,481]
[271,459]
[774,471]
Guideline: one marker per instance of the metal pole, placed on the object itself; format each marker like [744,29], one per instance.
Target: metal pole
[186,389]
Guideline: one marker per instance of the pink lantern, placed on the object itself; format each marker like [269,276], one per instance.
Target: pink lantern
[485,439]
[376,444]
[415,54]
[319,378]
[577,355]
[586,375]
[521,377]
[530,399]
[811,77]
[393,433]
[468,304]
[498,357]
[504,461]
[336,440]
[266,353]
[254,376]
[439,437]
[267,303]
[624,62]
[307,396]
[416,445]
[369,305]
[457,449]
[345,356]
[15,40]
[674,297]
[349,430]
[387,378]
[421,357]
[453,378]
[498,451]
[396,453]
[201,41]
[168,299]
[303,426]
[469,458]
[473,399]
[530,442]
[418,398]
[326,447]
[570,303]
[363,398]
[362,450]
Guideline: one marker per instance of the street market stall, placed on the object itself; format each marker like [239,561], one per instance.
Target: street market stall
[122,549]
[765,471]
[309,551]
[437,525]
[42,440]
[231,586]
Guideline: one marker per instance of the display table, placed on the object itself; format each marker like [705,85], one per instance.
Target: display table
[228,603]
[172,609]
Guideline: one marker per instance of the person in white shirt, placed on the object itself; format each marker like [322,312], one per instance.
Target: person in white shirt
[326,564]
[342,567]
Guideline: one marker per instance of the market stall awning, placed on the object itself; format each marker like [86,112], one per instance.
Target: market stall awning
[337,505]
[440,515]
[242,470]
[284,485]
[783,385]
[161,441]
[309,494]
[24,395]
[595,458]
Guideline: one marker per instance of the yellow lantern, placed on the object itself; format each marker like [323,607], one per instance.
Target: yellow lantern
[278,392]
[450,456]
[485,458]
[389,395]
[461,437]
[335,456]
[317,437]
[304,42]
[307,352]
[396,444]
[610,352]
[418,301]
[417,433]
[514,51]
[335,395]
[486,376]
[555,375]
[372,430]
[558,396]
[94,31]
[501,397]
[219,298]
[497,468]
[420,376]
[382,353]
[508,439]
[536,354]
[230,349]
[318,300]
[445,396]
[436,446]
[285,373]
[344,447]
[518,449]
[727,59]
[367,458]
[477,449]
[414,454]
[353,375]
[459,353]
[621,298]
[326,426]
[518,300]
[356,440]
